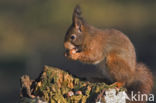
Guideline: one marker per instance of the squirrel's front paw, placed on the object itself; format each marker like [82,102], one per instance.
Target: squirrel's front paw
[73,54]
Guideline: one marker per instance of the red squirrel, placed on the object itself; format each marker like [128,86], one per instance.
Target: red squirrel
[111,51]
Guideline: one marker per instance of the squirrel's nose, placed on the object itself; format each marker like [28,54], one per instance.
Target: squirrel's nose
[68,45]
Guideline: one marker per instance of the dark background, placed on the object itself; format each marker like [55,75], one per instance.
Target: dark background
[32,34]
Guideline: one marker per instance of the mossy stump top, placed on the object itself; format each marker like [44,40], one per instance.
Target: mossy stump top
[57,86]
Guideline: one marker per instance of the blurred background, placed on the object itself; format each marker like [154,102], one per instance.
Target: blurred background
[32,34]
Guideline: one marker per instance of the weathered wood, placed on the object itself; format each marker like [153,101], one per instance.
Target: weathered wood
[57,86]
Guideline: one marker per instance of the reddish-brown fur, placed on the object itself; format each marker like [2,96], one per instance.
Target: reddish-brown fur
[114,50]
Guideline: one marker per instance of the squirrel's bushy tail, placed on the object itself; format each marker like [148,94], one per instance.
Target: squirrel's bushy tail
[143,82]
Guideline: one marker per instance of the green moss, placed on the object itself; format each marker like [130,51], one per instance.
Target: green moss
[57,86]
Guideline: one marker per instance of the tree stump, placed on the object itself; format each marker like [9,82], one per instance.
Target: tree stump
[57,86]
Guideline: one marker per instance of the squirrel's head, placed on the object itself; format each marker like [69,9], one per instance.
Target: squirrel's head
[76,32]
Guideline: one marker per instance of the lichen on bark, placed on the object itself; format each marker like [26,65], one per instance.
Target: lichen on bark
[57,86]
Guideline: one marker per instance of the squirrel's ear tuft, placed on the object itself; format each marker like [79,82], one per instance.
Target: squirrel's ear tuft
[77,11]
[77,19]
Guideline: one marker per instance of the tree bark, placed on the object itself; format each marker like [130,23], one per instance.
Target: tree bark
[57,86]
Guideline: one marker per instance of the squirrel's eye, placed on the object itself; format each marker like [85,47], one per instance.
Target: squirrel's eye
[73,37]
